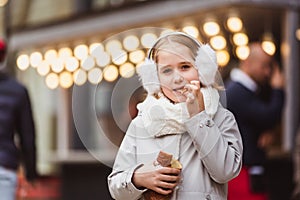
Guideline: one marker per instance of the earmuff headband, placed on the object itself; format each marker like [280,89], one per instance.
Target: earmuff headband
[205,62]
[149,55]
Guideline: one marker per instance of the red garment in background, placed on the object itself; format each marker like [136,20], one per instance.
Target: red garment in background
[44,188]
[239,188]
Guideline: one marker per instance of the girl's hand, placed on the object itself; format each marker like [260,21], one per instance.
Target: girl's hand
[194,98]
[162,180]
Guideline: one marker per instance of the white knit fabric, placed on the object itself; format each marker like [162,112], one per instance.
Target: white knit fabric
[211,100]
[161,117]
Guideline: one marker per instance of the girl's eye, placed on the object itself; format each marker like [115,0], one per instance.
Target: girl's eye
[185,66]
[166,71]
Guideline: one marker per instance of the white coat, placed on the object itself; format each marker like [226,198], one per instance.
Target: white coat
[210,152]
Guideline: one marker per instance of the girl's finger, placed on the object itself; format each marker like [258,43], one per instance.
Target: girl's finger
[168,185]
[163,191]
[190,96]
[191,88]
[196,83]
[169,179]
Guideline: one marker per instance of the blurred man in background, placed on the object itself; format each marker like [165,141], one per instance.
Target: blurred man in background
[17,132]
[255,96]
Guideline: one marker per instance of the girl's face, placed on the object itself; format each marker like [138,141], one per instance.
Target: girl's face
[175,69]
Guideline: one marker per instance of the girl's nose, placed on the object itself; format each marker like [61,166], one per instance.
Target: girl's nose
[178,78]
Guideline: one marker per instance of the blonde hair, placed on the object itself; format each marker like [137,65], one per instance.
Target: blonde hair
[168,40]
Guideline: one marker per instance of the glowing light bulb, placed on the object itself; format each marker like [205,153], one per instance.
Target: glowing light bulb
[211,28]
[95,75]
[43,68]
[23,62]
[223,58]
[240,39]
[35,59]
[148,39]
[65,79]
[218,42]
[110,73]
[127,70]
[81,51]
[52,80]
[234,24]
[79,77]
[191,30]
[242,52]
[131,43]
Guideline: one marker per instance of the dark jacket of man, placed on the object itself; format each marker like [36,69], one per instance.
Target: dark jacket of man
[254,115]
[16,120]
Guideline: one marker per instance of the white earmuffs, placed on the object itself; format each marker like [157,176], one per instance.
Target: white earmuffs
[205,62]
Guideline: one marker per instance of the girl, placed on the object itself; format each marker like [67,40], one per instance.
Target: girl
[181,115]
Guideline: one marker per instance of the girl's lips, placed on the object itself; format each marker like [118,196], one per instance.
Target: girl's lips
[181,90]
